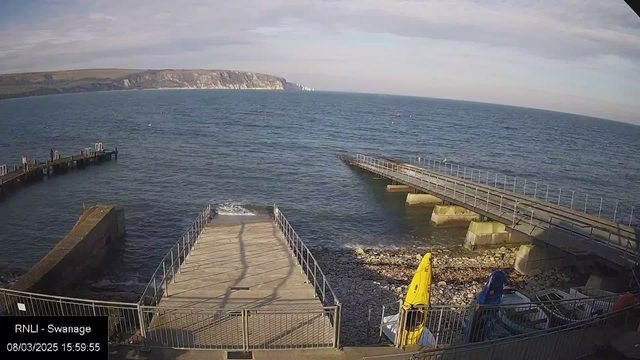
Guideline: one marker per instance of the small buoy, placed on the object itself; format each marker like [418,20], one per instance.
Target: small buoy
[149,124]
[397,115]
[393,122]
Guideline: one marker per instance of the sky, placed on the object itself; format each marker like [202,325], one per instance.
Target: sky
[578,56]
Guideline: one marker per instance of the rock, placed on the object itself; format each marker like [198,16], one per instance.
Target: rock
[360,251]
[442,283]
[503,249]
[419,257]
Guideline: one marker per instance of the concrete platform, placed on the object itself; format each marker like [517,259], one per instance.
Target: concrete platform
[241,269]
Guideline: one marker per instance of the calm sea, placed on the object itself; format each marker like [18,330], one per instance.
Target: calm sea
[180,150]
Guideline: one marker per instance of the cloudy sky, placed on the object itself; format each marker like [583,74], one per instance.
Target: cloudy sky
[580,56]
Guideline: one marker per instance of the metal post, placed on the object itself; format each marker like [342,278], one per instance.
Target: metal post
[458,172]
[438,331]
[515,180]
[535,192]
[615,212]
[546,199]
[455,185]
[173,274]
[504,183]
[631,216]
[143,330]
[324,282]
[515,208]
[487,178]
[155,290]
[487,208]
[501,205]
[179,264]
[475,201]
[464,173]
[586,201]
[164,277]
[600,210]
[495,183]
[559,194]
[464,197]
[336,324]
[531,222]
[572,193]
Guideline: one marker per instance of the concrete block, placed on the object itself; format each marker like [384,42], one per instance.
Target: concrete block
[423,200]
[78,253]
[452,216]
[532,258]
[400,189]
[601,282]
[491,233]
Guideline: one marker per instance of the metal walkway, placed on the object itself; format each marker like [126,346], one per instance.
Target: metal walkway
[246,282]
[546,224]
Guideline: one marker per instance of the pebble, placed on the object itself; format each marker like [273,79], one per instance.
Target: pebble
[459,274]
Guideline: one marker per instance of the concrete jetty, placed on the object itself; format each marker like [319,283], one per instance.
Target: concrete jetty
[32,170]
[551,228]
[247,283]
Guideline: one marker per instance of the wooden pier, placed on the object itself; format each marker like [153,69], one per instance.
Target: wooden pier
[31,171]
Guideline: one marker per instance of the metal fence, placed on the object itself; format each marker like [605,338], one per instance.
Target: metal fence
[571,341]
[124,318]
[243,329]
[444,325]
[310,267]
[522,216]
[594,205]
[172,262]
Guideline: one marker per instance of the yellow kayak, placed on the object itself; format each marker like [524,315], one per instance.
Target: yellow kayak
[417,295]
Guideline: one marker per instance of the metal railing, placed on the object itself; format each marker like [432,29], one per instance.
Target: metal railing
[311,269]
[537,222]
[172,262]
[124,318]
[150,324]
[243,329]
[458,324]
[606,208]
[570,341]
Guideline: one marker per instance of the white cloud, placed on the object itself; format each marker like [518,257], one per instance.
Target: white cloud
[498,51]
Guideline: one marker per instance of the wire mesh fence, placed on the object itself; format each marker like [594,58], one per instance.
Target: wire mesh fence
[445,325]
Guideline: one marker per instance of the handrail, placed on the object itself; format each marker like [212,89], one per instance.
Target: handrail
[300,249]
[176,255]
[66,298]
[487,202]
[459,349]
[497,178]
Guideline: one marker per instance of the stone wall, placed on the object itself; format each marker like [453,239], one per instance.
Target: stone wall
[78,254]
